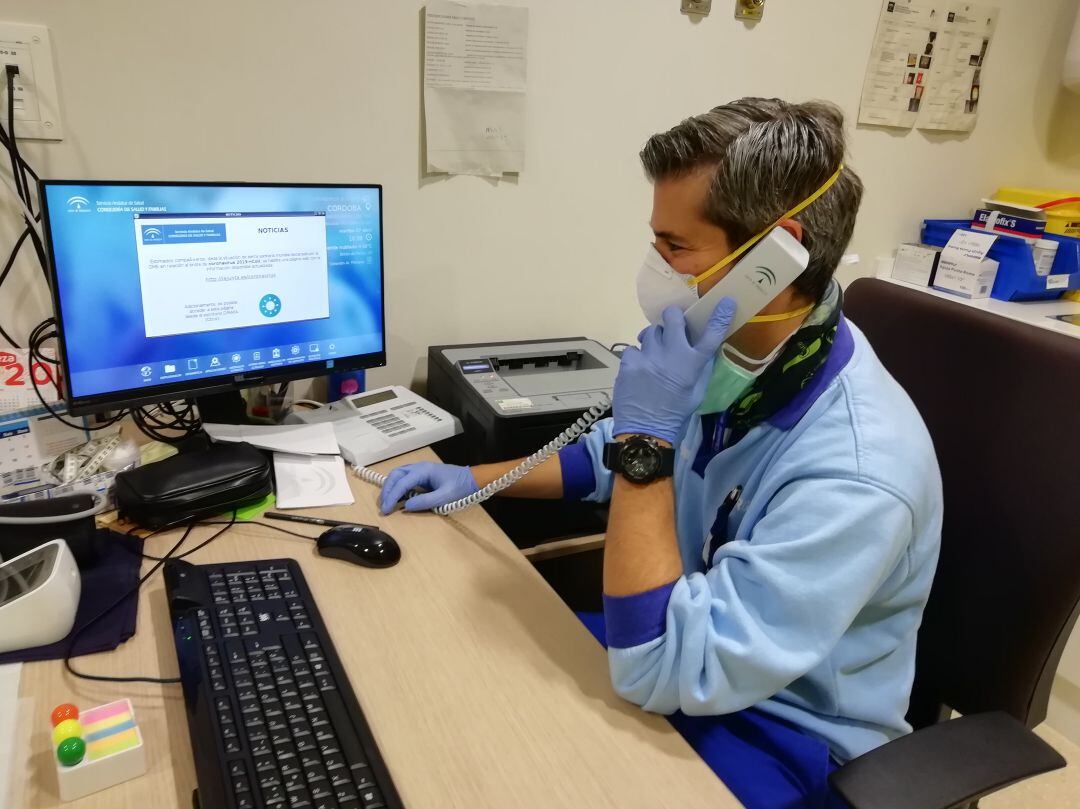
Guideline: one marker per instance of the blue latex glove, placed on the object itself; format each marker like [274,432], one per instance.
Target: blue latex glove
[445,483]
[660,385]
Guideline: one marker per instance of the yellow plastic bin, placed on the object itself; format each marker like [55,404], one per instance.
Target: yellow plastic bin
[1062,207]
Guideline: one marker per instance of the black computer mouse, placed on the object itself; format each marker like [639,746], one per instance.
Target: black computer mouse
[360,545]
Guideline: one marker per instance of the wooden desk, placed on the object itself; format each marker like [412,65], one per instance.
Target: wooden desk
[563,547]
[482,688]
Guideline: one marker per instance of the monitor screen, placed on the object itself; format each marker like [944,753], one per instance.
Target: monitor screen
[164,290]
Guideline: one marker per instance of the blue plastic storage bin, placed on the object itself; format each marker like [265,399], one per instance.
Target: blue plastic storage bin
[1016,278]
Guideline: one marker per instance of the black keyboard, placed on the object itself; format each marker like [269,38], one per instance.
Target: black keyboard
[272,718]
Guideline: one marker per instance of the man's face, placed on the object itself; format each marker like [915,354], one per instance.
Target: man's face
[687,241]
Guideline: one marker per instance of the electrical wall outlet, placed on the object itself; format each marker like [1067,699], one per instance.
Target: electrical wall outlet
[37,106]
[699,7]
[749,9]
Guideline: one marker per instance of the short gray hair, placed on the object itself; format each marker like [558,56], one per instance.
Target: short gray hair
[767,156]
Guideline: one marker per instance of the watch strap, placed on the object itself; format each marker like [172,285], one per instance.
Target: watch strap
[667,462]
[612,458]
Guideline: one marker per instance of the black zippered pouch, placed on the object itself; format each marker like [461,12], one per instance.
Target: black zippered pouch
[194,485]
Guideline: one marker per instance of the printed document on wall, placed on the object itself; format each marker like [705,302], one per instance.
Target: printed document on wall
[474,87]
[952,100]
[926,64]
[900,60]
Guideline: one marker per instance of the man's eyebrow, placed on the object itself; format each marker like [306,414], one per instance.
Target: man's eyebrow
[668,236]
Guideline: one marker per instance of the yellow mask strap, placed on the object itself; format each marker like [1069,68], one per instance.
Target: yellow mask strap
[784,316]
[802,206]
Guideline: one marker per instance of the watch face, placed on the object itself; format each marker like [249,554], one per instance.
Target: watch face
[640,460]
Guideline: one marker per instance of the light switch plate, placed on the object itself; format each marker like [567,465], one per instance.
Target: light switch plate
[749,9]
[37,106]
[699,7]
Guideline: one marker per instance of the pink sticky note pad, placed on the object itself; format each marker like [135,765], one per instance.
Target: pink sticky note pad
[121,706]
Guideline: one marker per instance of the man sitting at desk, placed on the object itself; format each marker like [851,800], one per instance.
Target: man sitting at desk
[769,581]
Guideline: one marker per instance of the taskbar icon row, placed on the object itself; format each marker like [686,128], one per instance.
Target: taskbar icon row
[237,361]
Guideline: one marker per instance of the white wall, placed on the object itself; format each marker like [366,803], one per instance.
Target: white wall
[329,90]
[1057,111]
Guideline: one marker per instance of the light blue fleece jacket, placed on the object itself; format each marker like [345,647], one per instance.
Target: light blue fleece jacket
[810,609]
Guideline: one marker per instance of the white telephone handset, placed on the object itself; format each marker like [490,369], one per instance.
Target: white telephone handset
[758,277]
[753,282]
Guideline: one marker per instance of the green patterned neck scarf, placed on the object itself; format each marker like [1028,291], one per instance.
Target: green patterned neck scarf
[806,351]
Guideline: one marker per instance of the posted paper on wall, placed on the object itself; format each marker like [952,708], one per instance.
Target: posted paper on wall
[474,87]
[926,64]
[952,101]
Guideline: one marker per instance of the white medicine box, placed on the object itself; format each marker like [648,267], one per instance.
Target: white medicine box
[915,264]
[965,277]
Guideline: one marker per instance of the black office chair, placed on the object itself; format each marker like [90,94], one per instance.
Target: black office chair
[1000,399]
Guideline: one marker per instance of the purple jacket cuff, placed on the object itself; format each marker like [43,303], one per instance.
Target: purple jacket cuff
[578,480]
[637,619]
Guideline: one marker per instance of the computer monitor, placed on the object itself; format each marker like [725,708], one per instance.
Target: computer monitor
[170,290]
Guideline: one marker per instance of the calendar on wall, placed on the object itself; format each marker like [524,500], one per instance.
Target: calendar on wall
[18,374]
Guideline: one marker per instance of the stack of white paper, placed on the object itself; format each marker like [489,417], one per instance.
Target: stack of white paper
[302,439]
[310,481]
[308,470]
[9,711]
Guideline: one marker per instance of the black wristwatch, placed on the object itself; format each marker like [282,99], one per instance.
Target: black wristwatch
[640,459]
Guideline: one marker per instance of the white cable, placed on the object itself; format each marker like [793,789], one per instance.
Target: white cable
[567,436]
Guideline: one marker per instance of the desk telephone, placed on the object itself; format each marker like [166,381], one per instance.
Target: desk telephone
[394,420]
[381,423]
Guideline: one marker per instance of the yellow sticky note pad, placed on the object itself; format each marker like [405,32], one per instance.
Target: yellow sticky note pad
[113,743]
[108,722]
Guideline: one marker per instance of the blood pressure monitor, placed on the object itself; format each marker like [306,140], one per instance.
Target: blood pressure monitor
[39,594]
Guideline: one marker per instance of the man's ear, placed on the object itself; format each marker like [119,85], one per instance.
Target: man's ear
[792,227]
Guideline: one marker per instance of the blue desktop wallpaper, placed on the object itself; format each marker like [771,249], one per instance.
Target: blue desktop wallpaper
[96,265]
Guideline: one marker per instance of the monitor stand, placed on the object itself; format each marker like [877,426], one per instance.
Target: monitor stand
[223,408]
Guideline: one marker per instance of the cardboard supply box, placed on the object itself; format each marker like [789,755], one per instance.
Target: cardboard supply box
[1031,227]
[915,264]
[965,277]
